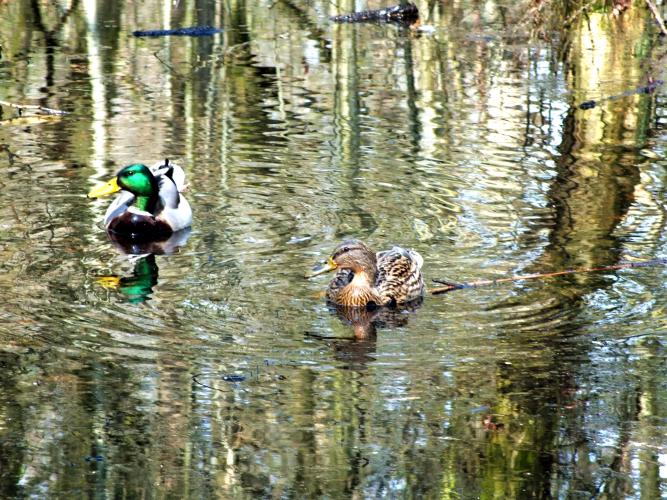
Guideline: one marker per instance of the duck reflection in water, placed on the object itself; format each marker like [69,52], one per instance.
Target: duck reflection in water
[365,323]
[138,287]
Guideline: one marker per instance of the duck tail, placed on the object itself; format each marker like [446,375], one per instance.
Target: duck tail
[416,256]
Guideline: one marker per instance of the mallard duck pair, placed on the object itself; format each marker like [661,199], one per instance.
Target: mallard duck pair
[151,207]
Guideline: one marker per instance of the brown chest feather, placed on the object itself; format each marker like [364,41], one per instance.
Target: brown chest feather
[140,226]
[355,296]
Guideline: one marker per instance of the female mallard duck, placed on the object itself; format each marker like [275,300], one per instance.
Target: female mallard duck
[366,279]
[150,205]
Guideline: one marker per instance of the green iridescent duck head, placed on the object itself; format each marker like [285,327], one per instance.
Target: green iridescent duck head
[137,179]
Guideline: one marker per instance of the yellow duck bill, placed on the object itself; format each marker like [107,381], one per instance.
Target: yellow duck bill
[109,282]
[109,187]
[329,266]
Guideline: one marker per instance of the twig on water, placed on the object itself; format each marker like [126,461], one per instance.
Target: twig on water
[21,107]
[449,286]
[228,51]
[658,17]
[167,65]
[10,155]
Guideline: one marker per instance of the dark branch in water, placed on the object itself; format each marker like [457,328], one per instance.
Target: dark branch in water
[450,286]
[646,89]
[306,23]
[191,31]
[401,14]
[658,17]
[10,154]
[167,65]
[21,107]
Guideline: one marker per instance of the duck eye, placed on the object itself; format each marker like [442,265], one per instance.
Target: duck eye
[346,249]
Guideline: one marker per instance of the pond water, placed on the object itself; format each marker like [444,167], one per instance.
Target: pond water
[216,370]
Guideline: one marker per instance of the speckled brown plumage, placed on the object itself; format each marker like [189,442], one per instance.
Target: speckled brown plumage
[399,275]
[364,278]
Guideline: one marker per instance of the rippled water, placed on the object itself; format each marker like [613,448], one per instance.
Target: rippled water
[216,370]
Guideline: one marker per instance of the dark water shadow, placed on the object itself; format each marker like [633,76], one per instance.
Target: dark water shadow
[133,246]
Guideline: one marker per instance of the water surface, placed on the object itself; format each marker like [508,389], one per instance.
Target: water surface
[217,370]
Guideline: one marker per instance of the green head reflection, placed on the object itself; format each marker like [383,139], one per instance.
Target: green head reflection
[138,287]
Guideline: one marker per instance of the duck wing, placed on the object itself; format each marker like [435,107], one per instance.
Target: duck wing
[170,197]
[399,277]
[172,171]
[173,208]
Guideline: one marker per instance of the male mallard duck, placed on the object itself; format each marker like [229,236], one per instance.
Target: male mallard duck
[368,279]
[150,205]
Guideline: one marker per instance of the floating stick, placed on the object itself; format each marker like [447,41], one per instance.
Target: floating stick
[646,89]
[449,286]
[21,107]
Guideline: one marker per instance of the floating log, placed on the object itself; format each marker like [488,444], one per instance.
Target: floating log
[400,14]
[190,31]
